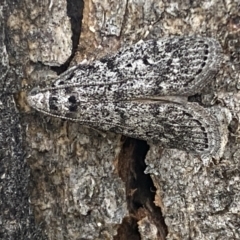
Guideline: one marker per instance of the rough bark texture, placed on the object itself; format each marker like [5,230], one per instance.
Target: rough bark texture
[16,215]
[78,183]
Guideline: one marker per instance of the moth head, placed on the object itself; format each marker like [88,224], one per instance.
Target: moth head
[53,102]
[38,99]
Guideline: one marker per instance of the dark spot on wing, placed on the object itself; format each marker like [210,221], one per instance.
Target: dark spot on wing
[53,107]
[72,99]
[145,61]
[110,62]
[73,108]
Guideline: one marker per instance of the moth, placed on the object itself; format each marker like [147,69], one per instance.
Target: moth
[141,92]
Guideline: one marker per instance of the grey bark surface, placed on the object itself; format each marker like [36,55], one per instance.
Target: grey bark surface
[16,215]
[79,183]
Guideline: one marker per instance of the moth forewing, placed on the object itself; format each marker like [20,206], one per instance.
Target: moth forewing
[168,66]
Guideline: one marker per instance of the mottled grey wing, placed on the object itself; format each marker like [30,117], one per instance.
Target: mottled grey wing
[168,66]
[106,94]
[187,127]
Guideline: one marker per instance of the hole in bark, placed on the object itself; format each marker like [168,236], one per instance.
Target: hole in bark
[140,191]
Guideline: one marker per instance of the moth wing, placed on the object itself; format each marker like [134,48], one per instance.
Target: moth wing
[169,66]
[185,126]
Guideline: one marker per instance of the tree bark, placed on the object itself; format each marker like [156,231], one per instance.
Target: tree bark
[61,180]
